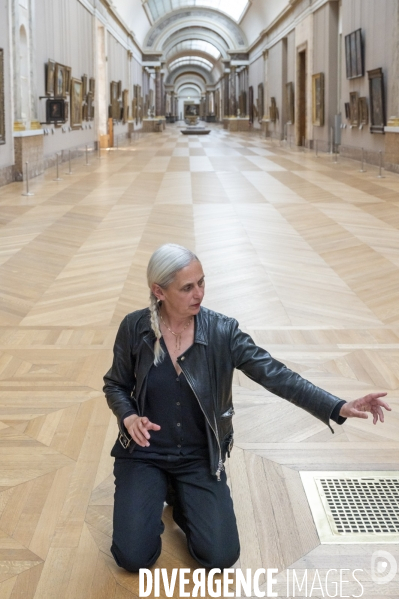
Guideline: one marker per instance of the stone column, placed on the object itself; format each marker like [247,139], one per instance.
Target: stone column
[233,98]
[172,104]
[162,94]
[226,99]
[158,92]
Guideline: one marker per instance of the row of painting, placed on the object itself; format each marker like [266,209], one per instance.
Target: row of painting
[59,85]
[356,110]
[119,109]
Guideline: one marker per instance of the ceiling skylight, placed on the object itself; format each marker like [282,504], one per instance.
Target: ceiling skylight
[232,8]
[199,45]
[192,60]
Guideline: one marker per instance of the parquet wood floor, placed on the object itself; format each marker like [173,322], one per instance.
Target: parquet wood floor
[302,251]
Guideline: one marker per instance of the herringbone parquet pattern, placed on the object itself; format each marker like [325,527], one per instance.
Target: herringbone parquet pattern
[303,252]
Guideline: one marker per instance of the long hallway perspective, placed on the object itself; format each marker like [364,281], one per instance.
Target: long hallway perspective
[302,251]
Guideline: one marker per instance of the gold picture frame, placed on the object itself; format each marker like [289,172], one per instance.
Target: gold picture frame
[50,69]
[59,81]
[68,75]
[125,105]
[84,85]
[318,99]
[76,103]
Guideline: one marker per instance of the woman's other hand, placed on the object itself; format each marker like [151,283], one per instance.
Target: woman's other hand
[138,427]
[369,403]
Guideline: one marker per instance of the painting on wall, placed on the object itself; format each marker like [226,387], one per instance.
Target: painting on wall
[354,108]
[251,103]
[363,112]
[2,110]
[76,102]
[50,70]
[113,91]
[92,86]
[261,102]
[318,99]
[354,54]
[89,102]
[377,101]
[290,103]
[125,105]
[84,85]
[55,110]
[68,75]
[273,110]
[347,110]
[59,81]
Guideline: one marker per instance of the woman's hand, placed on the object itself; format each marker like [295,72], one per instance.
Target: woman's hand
[370,403]
[138,427]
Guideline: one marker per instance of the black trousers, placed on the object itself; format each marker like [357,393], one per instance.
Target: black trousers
[203,509]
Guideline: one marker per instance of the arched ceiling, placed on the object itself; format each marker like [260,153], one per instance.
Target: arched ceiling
[192,36]
[232,8]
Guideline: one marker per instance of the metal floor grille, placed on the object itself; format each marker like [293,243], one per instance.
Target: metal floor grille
[354,507]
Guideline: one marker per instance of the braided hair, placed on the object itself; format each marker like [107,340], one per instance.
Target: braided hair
[164,263]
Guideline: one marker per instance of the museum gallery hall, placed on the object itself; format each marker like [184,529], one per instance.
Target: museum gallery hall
[264,136]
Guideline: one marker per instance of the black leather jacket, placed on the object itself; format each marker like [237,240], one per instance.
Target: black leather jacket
[219,347]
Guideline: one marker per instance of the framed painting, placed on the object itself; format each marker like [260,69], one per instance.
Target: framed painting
[354,108]
[2,115]
[92,86]
[84,86]
[125,105]
[318,99]
[89,102]
[50,70]
[76,103]
[354,54]
[347,110]
[273,110]
[59,81]
[68,74]
[359,53]
[377,100]
[348,56]
[113,91]
[55,110]
[290,103]
[261,102]
[363,111]
[134,109]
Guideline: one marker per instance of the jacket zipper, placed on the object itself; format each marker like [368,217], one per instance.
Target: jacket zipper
[220,463]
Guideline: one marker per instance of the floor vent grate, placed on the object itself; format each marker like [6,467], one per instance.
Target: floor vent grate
[354,507]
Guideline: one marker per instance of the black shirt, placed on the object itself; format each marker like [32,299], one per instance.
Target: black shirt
[171,403]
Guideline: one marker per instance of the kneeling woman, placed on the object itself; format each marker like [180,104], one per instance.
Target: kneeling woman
[170,387]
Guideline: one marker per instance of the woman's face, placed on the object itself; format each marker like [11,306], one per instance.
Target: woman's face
[184,295]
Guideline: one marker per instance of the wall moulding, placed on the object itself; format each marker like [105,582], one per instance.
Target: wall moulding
[291,16]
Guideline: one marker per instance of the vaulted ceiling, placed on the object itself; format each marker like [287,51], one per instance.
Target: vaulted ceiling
[196,36]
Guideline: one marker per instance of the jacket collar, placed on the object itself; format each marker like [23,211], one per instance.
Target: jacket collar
[200,335]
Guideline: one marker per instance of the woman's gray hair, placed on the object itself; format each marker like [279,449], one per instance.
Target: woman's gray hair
[164,263]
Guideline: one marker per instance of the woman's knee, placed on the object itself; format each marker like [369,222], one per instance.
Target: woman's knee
[133,559]
[216,555]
